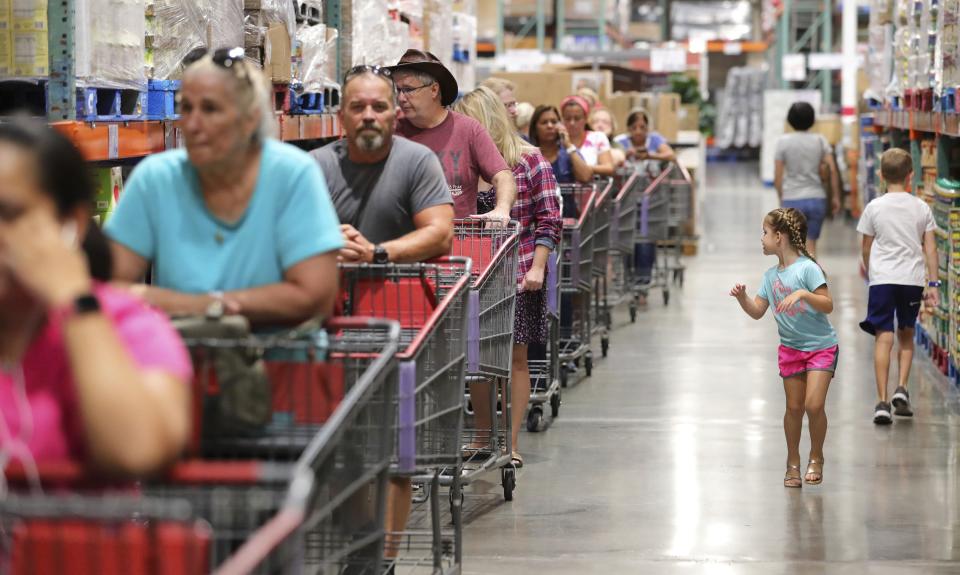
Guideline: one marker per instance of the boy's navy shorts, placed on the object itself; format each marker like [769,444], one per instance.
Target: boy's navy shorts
[889,301]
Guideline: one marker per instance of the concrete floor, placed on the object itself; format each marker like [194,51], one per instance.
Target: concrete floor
[670,459]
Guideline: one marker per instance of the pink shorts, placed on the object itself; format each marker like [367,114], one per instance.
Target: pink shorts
[794,362]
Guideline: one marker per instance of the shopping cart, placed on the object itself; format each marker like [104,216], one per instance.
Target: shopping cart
[544,361]
[491,306]
[576,281]
[623,223]
[320,514]
[430,301]
[660,234]
[603,210]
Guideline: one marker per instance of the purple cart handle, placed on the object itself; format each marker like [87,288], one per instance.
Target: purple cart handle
[407,418]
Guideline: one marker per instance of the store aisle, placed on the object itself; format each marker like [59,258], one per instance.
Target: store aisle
[670,459]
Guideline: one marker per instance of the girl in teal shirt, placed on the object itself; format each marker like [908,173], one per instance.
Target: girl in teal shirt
[797,288]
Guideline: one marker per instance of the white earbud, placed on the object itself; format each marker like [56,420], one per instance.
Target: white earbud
[68,233]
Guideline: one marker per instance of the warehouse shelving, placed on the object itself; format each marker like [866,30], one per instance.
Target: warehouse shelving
[107,141]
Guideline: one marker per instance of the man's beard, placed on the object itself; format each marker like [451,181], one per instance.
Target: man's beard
[369,140]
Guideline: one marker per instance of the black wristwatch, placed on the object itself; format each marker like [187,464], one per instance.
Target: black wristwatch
[87,303]
[380,255]
[81,305]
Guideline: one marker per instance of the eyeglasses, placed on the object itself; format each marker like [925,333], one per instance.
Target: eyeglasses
[385,73]
[407,90]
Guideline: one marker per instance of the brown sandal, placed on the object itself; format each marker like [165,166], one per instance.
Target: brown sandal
[791,481]
[811,471]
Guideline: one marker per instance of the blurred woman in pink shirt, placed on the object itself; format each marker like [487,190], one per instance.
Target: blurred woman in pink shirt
[87,372]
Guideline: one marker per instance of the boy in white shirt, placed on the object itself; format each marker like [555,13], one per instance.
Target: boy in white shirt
[898,235]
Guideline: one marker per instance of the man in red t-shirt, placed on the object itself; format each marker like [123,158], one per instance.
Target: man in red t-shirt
[466,151]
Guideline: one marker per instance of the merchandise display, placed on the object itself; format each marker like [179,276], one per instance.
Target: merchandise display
[28,37]
[741,111]
[180,26]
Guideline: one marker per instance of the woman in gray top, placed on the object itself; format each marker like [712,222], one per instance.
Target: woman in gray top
[806,174]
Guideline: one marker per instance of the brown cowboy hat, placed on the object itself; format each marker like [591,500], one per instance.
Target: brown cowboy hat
[422,61]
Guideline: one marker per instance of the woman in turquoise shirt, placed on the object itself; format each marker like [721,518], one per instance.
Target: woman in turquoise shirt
[237,218]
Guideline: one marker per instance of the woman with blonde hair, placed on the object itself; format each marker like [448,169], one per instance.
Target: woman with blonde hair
[524,115]
[234,220]
[538,210]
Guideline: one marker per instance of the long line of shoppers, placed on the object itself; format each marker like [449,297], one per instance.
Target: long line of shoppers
[236,222]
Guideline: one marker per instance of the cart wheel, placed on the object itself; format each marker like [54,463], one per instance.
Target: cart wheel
[588,364]
[555,404]
[534,419]
[604,346]
[563,376]
[508,477]
[666,297]
[633,313]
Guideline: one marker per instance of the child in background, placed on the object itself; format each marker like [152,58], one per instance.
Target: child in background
[898,234]
[803,164]
[603,121]
[797,288]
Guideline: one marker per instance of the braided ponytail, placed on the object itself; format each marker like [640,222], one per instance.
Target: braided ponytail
[793,224]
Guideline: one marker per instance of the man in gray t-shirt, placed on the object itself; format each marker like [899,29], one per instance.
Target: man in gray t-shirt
[390,193]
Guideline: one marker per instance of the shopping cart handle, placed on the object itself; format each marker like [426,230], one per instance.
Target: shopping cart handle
[335,324]
[75,474]
[58,472]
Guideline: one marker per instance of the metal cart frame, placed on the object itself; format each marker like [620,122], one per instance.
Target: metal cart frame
[576,282]
[431,303]
[235,516]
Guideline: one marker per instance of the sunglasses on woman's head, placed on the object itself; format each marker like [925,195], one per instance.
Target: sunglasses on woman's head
[226,58]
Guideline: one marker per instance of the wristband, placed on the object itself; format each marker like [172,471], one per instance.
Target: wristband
[934,284]
[571,149]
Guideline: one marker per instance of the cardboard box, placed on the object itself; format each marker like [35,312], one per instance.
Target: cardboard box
[689,118]
[620,104]
[276,60]
[553,86]
[828,125]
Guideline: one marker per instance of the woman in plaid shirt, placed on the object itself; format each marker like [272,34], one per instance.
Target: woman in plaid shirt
[538,210]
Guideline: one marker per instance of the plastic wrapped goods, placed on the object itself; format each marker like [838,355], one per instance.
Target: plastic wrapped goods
[369,35]
[180,26]
[412,8]
[319,47]
[465,50]
[439,23]
[110,43]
